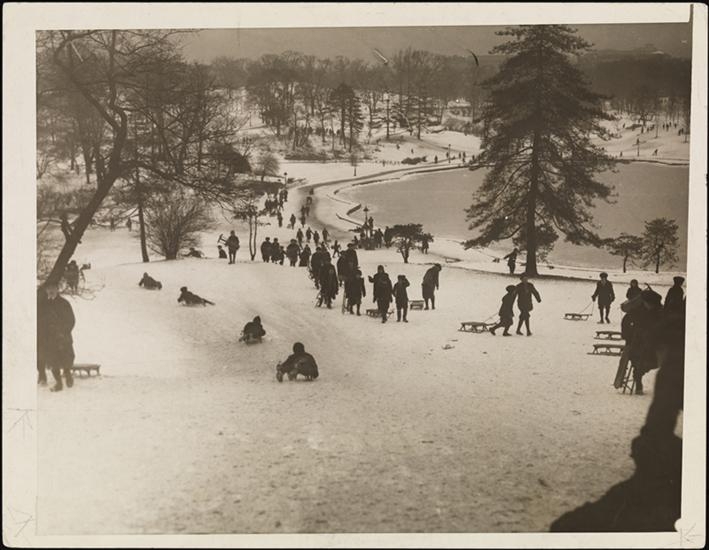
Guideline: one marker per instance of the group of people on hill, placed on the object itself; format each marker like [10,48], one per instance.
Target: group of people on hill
[523,293]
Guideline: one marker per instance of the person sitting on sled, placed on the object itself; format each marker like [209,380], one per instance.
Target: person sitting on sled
[299,362]
[253,330]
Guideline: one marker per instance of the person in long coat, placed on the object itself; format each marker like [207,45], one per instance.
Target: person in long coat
[401,298]
[266,246]
[525,290]
[633,290]
[430,285]
[293,251]
[606,296]
[354,291]
[506,312]
[512,260]
[329,285]
[382,292]
[316,262]
[304,257]
[232,244]
[345,269]
[55,345]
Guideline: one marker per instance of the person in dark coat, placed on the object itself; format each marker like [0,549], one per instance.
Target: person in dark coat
[149,283]
[232,244]
[304,257]
[72,276]
[299,362]
[194,253]
[525,290]
[299,236]
[292,221]
[279,217]
[55,346]
[633,290]
[345,269]
[674,300]
[325,234]
[316,237]
[351,254]
[646,313]
[329,285]
[266,246]
[512,260]
[253,330]
[506,312]
[429,285]
[190,299]
[387,236]
[401,298]
[335,249]
[354,291]
[222,252]
[309,234]
[606,296]
[316,262]
[382,292]
[275,251]
[293,251]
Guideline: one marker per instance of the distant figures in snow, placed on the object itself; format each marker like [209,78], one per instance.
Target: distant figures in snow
[512,260]
[253,331]
[429,285]
[149,283]
[299,362]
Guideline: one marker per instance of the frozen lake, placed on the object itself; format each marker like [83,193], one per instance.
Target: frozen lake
[643,191]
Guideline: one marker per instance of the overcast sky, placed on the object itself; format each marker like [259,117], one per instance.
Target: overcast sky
[672,38]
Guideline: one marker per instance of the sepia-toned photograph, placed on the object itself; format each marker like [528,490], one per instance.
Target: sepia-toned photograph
[353,279]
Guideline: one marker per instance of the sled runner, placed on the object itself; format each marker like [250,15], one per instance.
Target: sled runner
[577,316]
[624,376]
[473,326]
[608,335]
[375,312]
[415,304]
[250,339]
[608,349]
[86,368]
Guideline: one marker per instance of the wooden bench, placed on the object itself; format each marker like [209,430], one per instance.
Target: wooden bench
[473,326]
[416,304]
[86,368]
[615,350]
[577,316]
[608,335]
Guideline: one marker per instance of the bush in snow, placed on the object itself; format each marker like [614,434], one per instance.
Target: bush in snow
[173,222]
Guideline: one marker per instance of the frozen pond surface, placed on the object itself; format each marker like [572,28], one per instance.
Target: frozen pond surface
[643,191]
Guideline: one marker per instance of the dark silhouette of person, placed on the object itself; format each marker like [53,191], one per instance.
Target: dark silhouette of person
[189,299]
[253,330]
[646,313]
[299,236]
[512,260]
[429,285]
[55,346]
[222,252]
[194,253]
[329,285]
[355,291]
[506,312]
[606,296]
[304,257]
[293,251]
[292,221]
[382,292]
[309,234]
[275,251]
[299,362]
[232,244]
[149,283]
[335,249]
[674,300]
[316,237]
[71,275]
[401,298]
[325,234]
[279,217]
[525,290]
[633,290]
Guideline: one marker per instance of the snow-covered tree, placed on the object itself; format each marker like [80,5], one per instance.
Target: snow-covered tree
[541,117]
[408,236]
[626,246]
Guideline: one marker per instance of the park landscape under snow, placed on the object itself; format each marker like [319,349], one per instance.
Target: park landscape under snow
[410,427]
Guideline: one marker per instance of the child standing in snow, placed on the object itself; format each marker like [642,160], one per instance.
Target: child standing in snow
[401,297]
[506,312]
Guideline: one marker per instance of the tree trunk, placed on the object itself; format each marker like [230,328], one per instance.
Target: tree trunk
[625,261]
[657,263]
[141,225]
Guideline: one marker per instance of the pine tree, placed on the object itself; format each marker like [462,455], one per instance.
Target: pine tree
[541,116]
[660,242]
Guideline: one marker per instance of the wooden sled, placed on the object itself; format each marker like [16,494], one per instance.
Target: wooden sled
[608,335]
[375,312]
[416,304]
[473,326]
[577,316]
[615,350]
[86,368]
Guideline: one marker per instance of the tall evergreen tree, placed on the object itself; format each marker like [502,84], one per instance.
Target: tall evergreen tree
[541,116]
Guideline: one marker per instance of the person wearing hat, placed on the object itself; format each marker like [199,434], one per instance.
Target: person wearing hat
[633,290]
[149,283]
[266,250]
[232,244]
[382,292]
[506,312]
[429,285]
[606,296]
[525,290]
[253,330]
[354,291]
[222,252]
[674,301]
[646,315]
[299,362]
[55,346]
[293,251]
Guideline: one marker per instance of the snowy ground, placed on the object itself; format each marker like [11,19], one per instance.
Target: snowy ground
[188,431]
